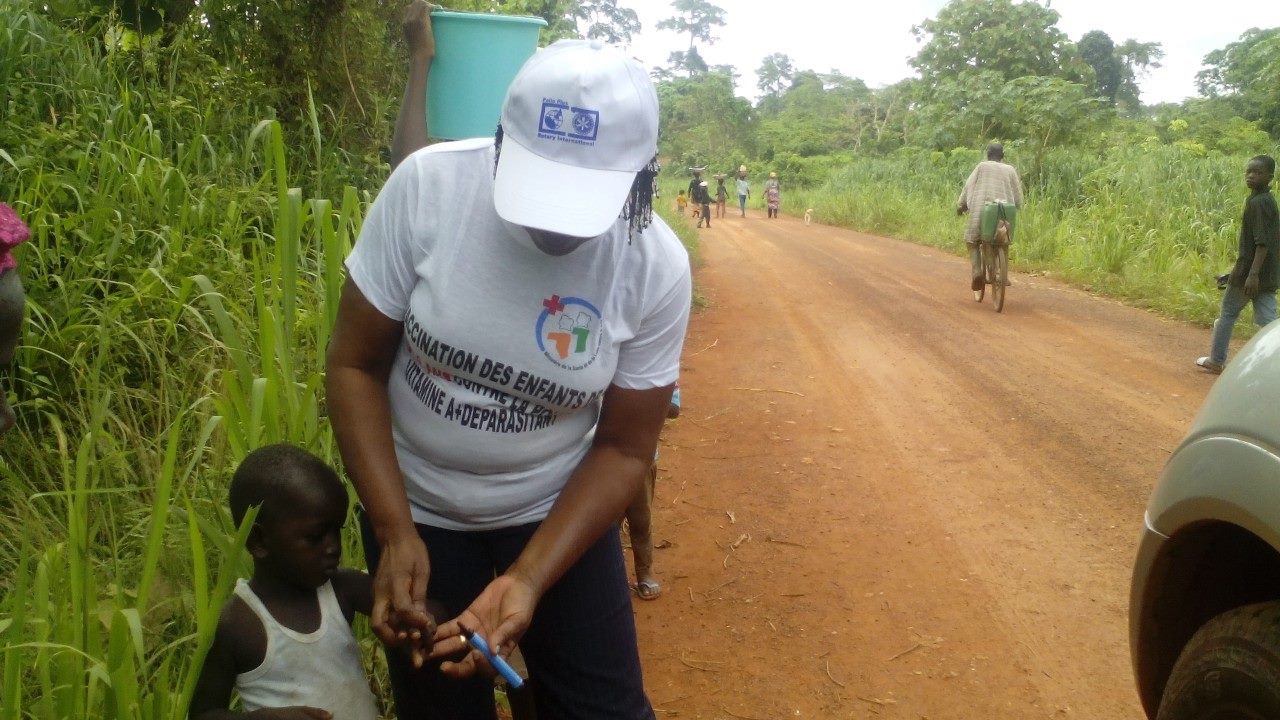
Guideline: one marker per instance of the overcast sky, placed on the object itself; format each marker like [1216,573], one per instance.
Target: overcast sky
[872,40]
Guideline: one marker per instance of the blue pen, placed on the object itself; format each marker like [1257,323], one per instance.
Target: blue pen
[514,681]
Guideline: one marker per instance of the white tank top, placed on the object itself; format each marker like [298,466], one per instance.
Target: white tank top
[318,669]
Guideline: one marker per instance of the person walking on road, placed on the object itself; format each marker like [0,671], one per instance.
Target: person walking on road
[992,180]
[1253,279]
[772,195]
[695,181]
[722,195]
[702,198]
[744,190]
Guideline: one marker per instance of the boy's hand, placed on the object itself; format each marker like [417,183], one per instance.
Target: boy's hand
[1251,286]
[419,637]
[417,29]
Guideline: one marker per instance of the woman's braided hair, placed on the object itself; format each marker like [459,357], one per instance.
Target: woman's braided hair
[637,210]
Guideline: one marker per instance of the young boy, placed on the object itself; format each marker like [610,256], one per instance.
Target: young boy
[1254,276]
[702,198]
[284,641]
[682,202]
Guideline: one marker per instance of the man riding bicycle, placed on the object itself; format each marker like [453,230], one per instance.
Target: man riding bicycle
[993,179]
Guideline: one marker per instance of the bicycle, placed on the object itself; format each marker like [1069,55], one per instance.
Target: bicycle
[997,222]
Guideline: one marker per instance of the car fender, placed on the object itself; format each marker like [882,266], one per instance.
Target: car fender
[1228,478]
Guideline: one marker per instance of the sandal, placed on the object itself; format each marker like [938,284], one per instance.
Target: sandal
[648,589]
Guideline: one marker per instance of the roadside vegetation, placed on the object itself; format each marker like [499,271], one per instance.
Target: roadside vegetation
[194,174]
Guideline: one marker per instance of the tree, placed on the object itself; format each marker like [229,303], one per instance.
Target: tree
[696,18]
[1010,39]
[1099,51]
[973,50]
[1116,68]
[820,115]
[1049,110]
[689,61]
[1246,75]
[703,121]
[606,20]
[775,73]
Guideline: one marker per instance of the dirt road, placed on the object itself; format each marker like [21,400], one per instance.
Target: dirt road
[884,500]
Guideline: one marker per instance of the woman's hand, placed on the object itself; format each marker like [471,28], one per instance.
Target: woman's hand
[400,596]
[501,615]
[417,29]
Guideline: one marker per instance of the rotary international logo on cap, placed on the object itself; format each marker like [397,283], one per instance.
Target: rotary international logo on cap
[562,121]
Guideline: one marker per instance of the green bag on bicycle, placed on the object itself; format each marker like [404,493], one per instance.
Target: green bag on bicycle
[992,213]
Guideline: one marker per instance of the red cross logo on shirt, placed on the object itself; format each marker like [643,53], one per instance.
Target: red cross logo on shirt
[553,304]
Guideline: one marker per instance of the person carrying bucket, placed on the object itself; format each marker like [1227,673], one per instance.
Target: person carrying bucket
[744,190]
[992,179]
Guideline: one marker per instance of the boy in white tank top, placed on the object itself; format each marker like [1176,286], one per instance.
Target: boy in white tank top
[284,641]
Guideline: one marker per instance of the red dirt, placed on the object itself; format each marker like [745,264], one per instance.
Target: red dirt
[886,500]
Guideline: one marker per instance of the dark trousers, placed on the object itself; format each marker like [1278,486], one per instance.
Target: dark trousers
[580,647]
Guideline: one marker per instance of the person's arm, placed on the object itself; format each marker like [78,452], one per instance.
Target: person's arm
[359,361]
[1263,224]
[595,497]
[411,123]
[1255,270]
[962,203]
[354,590]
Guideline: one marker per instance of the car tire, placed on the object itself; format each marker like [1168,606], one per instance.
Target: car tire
[1230,670]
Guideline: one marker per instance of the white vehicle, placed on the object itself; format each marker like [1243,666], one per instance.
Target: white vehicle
[1204,609]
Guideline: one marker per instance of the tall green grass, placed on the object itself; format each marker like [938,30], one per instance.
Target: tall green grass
[182,279]
[181,289]
[1152,225]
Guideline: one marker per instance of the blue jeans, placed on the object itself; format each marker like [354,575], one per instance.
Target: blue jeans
[1233,301]
[742,204]
[581,649]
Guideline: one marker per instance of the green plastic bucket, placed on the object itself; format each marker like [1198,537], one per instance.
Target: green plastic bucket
[477,57]
[991,213]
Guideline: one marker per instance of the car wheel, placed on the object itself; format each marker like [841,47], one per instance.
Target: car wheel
[1230,670]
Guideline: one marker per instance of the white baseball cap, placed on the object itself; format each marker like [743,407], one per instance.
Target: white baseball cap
[579,121]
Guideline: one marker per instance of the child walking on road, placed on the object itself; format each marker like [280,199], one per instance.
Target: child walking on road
[702,198]
[1253,278]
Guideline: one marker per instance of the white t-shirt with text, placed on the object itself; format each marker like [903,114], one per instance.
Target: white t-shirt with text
[507,350]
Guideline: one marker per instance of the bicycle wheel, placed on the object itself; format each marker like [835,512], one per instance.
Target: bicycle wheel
[999,275]
[982,261]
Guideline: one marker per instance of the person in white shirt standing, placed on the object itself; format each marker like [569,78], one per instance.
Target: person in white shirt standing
[504,356]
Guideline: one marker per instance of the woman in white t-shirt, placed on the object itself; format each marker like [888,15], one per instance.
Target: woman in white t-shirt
[504,356]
